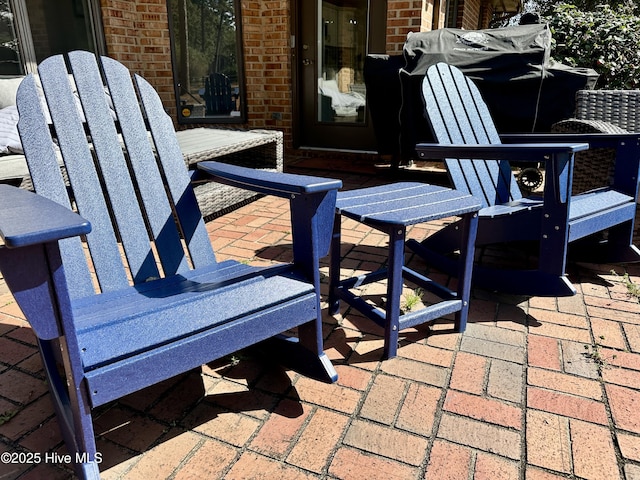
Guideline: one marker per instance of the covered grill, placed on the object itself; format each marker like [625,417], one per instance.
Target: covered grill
[525,89]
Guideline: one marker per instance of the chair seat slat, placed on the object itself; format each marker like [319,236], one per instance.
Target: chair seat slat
[135,321]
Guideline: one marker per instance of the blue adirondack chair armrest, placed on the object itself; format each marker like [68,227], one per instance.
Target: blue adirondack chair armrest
[595,140]
[270,183]
[555,155]
[521,152]
[312,221]
[29,219]
[626,146]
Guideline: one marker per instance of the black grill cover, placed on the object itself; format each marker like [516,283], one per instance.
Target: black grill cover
[524,89]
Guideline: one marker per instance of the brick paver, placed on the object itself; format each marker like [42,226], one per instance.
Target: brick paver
[548,441]
[448,461]
[535,389]
[480,435]
[586,439]
[487,410]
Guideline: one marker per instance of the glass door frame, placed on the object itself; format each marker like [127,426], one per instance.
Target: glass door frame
[238,96]
[24,36]
[308,132]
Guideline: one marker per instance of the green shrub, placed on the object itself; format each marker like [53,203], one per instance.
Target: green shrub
[606,39]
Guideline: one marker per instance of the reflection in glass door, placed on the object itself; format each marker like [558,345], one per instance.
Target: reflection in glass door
[342,40]
[32,30]
[206,47]
[333,40]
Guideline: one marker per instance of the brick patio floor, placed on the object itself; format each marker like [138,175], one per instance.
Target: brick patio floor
[535,389]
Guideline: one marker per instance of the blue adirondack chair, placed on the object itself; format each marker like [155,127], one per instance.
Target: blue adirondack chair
[159,303]
[598,224]
[217,94]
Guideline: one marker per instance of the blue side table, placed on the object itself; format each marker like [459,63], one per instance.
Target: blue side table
[391,209]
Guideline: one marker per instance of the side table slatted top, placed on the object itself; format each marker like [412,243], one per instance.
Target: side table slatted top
[405,203]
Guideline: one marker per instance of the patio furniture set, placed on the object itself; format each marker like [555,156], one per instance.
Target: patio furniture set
[152,301]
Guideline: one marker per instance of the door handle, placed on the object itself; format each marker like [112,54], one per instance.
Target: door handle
[307,61]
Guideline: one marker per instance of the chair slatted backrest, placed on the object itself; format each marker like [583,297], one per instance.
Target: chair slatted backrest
[134,188]
[218,94]
[458,115]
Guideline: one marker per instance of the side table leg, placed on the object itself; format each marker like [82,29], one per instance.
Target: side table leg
[394,290]
[467,254]
[334,266]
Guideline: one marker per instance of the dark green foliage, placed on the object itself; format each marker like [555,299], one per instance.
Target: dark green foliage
[545,7]
[606,38]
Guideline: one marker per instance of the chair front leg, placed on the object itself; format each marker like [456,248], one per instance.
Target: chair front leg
[312,221]
[554,234]
[334,266]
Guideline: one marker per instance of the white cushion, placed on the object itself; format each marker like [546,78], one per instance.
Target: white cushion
[9,138]
[8,89]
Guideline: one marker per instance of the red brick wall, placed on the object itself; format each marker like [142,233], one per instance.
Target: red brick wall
[403,16]
[471,15]
[266,32]
[137,34]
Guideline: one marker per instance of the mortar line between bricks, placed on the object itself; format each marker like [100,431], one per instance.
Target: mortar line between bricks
[472,464]
[625,337]
[188,457]
[486,376]
[605,400]
[353,416]
[524,398]
[571,459]
[439,412]
[611,423]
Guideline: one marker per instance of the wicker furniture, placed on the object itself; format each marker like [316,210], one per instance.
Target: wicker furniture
[260,149]
[600,111]
[619,107]
[593,168]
